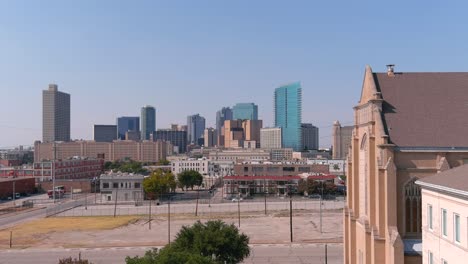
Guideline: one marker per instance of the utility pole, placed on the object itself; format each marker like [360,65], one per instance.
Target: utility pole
[290,214]
[169,221]
[321,200]
[265,192]
[238,208]
[14,192]
[115,204]
[198,196]
[326,254]
[54,151]
[149,215]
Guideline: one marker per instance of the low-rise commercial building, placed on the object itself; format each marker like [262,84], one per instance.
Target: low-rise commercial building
[444,213]
[122,186]
[281,154]
[234,186]
[278,169]
[240,155]
[67,169]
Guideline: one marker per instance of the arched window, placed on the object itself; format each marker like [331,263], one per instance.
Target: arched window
[363,181]
[412,208]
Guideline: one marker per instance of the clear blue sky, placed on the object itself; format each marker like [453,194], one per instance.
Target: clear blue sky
[186,57]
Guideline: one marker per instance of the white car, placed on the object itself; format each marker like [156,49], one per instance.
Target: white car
[236,199]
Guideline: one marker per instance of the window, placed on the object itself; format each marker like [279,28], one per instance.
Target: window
[443,261]
[105,185]
[115,185]
[412,208]
[444,222]
[431,258]
[429,216]
[288,168]
[137,185]
[456,227]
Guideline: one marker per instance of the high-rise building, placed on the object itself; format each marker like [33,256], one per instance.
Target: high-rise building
[126,124]
[148,121]
[233,134]
[341,140]
[288,114]
[310,136]
[178,138]
[252,130]
[195,128]
[245,111]
[55,115]
[224,114]
[209,137]
[104,133]
[270,138]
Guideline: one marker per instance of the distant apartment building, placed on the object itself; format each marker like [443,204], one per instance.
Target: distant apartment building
[68,169]
[341,140]
[270,138]
[200,165]
[310,136]
[178,138]
[132,135]
[195,128]
[238,131]
[127,124]
[278,169]
[104,133]
[245,111]
[209,137]
[222,115]
[288,114]
[444,207]
[240,155]
[145,151]
[252,130]
[281,154]
[55,115]
[122,187]
[148,121]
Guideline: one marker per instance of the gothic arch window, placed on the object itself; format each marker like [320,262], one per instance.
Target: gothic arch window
[412,208]
[363,181]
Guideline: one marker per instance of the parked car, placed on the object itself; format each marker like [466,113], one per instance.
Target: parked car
[236,199]
[314,196]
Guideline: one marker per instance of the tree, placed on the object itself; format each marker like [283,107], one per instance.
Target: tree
[160,182]
[310,186]
[212,242]
[189,178]
[164,162]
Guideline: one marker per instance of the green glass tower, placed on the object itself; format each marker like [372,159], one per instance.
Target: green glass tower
[288,114]
[247,111]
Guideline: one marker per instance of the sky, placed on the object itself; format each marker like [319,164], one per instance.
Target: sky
[187,57]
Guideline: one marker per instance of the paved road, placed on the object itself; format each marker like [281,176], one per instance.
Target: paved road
[279,253]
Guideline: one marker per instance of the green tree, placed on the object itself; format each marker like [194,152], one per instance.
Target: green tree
[310,186]
[159,182]
[164,162]
[189,178]
[214,242]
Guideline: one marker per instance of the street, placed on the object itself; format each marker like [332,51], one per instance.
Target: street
[266,253]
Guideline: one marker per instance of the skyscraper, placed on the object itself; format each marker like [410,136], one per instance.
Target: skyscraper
[310,136]
[148,121]
[245,111]
[104,133]
[55,115]
[195,128]
[270,138]
[126,124]
[224,114]
[209,137]
[288,114]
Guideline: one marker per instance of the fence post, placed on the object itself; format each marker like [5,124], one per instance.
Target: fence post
[11,238]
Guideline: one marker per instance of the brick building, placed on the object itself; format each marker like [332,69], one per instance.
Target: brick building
[8,186]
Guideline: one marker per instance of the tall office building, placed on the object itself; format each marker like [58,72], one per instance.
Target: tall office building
[55,115]
[310,136]
[195,128]
[104,133]
[127,124]
[341,140]
[224,114]
[270,138]
[178,138]
[233,134]
[252,130]
[209,137]
[288,114]
[245,111]
[148,121]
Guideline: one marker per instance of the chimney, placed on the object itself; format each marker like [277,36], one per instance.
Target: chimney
[390,70]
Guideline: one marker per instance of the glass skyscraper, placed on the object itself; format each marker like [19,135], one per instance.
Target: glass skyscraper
[148,121]
[288,114]
[195,128]
[127,123]
[247,111]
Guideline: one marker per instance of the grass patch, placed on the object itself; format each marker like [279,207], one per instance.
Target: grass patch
[30,232]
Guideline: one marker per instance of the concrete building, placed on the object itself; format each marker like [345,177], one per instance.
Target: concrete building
[178,138]
[270,138]
[288,114]
[341,140]
[127,124]
[68,169]
[200,165]
[281,154]
[394,144]
[245,111]
[240,155]
[104,133]
[222,115]
[278,169]
[55,115]
[132,135]
[309,136]
[233,134]
[444,212]
[252,130]
[144,151]
[195,128]
[244,186]
[209,137]
[122,186]
[148,121]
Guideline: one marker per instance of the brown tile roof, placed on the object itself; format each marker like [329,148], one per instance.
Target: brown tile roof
[425,109]
[456,178]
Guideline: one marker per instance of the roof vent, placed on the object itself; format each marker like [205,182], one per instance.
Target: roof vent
[390,70]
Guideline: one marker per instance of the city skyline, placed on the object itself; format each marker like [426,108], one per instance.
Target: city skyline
[120,57]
